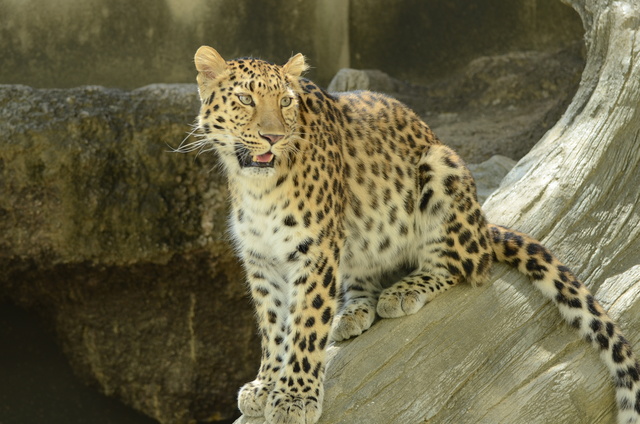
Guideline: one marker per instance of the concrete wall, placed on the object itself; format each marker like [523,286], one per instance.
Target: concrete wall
[419,40]
[122,43]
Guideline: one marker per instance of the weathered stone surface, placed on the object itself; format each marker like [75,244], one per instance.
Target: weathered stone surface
[368,79]
[504,104]
[118,244]
[82,176]
[489,174]
[374,80]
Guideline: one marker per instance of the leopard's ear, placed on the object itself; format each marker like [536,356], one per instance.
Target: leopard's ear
[209,63]
[296,65]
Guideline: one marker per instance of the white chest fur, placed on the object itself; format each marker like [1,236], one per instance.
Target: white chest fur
[267,230]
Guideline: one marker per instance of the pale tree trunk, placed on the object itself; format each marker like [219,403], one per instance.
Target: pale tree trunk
[501,353]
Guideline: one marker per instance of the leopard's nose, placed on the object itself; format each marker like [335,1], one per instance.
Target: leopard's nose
[272,138]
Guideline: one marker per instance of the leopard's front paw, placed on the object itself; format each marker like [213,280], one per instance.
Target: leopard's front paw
[352,321]
[252,398]
[400,301]
[284,408]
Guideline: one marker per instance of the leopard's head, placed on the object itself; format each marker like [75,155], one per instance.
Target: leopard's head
[249,111]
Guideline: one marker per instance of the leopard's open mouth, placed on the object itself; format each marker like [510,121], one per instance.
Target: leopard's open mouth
[247,160]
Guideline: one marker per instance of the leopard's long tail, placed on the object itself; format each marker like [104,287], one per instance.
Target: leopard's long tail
[579,308]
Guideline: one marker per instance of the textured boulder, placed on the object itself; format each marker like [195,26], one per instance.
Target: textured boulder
[489,174]
[118,244]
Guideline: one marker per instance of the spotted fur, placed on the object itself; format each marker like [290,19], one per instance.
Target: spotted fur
[329,191]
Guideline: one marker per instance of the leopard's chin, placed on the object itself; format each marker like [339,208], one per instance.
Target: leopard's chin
[260,172]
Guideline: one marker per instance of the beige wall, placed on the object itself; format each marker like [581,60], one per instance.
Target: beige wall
[123,43]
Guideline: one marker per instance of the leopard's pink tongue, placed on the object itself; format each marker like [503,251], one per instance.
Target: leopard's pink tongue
[264,158]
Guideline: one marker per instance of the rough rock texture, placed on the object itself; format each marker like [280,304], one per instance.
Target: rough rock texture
[119,245]
[500,353]
[489,174]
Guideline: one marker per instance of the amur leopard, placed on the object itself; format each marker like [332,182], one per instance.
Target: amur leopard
[329,191]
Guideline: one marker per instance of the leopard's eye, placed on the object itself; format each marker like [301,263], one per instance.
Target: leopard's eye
[286,101]
[245,99]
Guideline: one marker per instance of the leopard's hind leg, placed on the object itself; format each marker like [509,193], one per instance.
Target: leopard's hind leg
[452,238]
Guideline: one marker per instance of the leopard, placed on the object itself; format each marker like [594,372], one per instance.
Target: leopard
[329,191]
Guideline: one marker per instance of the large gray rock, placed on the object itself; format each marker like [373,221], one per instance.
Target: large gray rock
[118,244]
[369,79]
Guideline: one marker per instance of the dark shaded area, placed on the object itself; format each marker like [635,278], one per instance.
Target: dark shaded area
[38,385]
[160,337]
[421,41]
